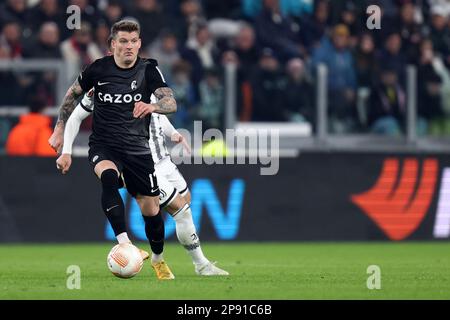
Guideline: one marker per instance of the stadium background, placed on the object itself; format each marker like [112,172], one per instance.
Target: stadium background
[378,111]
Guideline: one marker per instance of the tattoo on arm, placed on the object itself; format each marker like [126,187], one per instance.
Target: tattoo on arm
[68,104]
[166,101]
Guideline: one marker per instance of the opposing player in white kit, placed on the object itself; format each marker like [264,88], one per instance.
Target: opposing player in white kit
[174,193]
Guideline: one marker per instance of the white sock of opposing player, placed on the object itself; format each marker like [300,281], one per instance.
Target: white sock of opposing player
[123,238]
[157,258]
[187,235]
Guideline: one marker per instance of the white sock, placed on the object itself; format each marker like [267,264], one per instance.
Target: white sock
[123,238]
[157,258]
[187,235]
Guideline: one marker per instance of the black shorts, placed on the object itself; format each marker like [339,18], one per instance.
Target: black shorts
[138,170]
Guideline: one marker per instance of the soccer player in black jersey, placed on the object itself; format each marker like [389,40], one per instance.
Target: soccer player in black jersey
[123,84]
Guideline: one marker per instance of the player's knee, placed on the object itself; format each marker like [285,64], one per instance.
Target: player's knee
[183,213]
[187,197]
[149,205]
[176,204]
[150,211]
[110,179]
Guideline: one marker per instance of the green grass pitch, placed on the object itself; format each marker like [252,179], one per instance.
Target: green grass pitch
[409,270]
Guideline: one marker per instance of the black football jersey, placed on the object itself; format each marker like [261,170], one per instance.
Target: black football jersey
[116,92]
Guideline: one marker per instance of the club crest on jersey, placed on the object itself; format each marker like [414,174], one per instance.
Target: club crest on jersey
[119,98]
[134,85]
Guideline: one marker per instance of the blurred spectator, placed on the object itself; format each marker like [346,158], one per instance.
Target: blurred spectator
[430,111]
[387,103]
[431,90]
[392,53]
[47,44]
[210,109]
[299,94]
[11,92]
[335,54]
[365,60]
[427,50]
[13,83]
[151,19]
[113,12]
[14,10]
[439,32]
[79,50]
[313,27]
[245,50]
[349,17]
[185,26]
[10,40]
[201,54]
[389,8]
[339,7]
[30,136]
[48,11]
[410,31]
[184,93]
[165,50]
[46,47]
[101,38]
[268,89]
[277,32]
[89,13]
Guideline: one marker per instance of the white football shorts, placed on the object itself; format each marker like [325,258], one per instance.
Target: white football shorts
[167,169]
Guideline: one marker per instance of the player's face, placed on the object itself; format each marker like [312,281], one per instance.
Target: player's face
[126,47]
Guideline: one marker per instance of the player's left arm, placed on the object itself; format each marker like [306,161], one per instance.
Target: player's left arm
[172,133]
[166,126]
[166,101]
[166,104]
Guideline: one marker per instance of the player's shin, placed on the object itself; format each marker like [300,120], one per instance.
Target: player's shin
[187,235]
[112,203]
[154,230]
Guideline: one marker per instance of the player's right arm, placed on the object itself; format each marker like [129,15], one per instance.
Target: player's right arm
[66,108]
[84,83]
[72,127]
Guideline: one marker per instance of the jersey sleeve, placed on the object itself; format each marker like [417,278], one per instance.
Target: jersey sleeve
[86,78]
[154,76]
[87,103]
[167,127]
[72,127]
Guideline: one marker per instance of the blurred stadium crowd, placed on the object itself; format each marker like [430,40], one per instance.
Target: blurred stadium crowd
[276,44]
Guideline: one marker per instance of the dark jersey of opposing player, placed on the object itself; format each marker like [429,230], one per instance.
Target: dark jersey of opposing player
[116,92]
